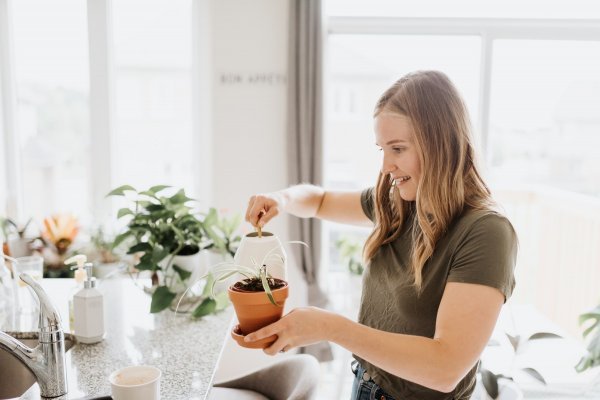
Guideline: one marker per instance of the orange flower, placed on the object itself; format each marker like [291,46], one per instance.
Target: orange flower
[60,230]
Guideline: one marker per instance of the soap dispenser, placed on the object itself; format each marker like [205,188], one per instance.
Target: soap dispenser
[80,276]
[88,307]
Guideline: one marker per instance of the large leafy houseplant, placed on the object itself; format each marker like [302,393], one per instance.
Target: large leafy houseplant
[160,228]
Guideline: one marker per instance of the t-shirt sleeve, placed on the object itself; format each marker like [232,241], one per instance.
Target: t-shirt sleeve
[367,201]
[487,255]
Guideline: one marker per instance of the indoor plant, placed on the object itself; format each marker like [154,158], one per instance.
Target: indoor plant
[349,250]
[221,231]
[258,298]
[592,359]
[161,228]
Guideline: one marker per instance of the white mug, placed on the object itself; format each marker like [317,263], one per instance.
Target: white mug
[141,382]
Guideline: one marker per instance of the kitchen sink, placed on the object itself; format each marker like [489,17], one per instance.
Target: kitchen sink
[15,377]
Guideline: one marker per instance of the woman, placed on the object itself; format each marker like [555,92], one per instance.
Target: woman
[440,260]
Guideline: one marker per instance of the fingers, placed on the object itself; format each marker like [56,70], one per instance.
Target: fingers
[262,333]
[279,346]
[261,209]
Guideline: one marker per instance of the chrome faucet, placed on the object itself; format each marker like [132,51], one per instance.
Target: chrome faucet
[47,360]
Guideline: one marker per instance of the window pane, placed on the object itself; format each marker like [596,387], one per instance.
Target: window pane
[153,144]
[360,69]
[51,58]
[465,8]
[545,114]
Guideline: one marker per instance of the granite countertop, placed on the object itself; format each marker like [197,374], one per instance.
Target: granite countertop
[185,350]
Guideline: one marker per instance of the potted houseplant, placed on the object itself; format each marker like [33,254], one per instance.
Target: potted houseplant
[258,300]
[503,387]
[104,255]
[16,244]
[166,233]
[257,297]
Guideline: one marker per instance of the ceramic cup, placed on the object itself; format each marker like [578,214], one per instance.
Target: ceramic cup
[140,382]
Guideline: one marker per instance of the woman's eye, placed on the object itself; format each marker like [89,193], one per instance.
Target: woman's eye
[398,149]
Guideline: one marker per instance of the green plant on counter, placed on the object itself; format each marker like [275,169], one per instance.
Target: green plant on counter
[592,359]
[221,232]
[160,228]
[350,253]
[491,381]
[103,246]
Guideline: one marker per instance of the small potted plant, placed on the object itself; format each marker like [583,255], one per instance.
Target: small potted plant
[104,255]
[168,236]
[16,243]
[258,298]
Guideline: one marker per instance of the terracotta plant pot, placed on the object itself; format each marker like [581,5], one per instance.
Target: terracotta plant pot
[255,311]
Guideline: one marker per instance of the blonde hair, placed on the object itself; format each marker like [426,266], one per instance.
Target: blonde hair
[450,181]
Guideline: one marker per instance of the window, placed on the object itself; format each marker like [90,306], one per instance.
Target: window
[360,68]
[531,87]
[153,93]
[545,114]
[50,48]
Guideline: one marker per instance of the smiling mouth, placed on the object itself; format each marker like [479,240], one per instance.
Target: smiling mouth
[401,180]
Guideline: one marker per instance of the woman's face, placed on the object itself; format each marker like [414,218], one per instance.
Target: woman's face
[394,135]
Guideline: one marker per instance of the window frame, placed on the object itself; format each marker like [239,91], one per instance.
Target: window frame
[489,29]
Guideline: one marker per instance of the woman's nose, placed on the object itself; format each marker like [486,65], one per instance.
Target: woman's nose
[387,167]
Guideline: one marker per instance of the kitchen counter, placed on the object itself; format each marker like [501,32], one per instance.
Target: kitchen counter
[184,349]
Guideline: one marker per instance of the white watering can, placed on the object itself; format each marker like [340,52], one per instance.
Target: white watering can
[254,250]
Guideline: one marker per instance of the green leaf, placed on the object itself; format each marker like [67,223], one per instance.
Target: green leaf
[208,306]
[265,283]
[544,335]
[161,299]
[183,274]
[222,300]
[120,191]
[535,374]
[514,341]
[158,188]
[147,193]
[119,239]
[159,253]
[210,280]
[179,234]
[179,197]
[142,246]
[490,383]
[124,211]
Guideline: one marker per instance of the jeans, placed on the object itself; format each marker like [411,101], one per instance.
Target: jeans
[364,388]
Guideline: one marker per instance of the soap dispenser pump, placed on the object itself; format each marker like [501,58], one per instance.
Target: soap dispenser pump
[88,307]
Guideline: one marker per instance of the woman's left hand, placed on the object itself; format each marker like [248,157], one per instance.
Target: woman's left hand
[300,327]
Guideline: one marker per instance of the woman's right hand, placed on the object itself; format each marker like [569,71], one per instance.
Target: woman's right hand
[264,207]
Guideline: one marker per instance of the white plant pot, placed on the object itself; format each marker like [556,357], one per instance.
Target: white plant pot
[254,249]
[20,247]
[197,264]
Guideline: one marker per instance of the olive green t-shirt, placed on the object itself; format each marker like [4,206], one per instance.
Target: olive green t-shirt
[479,247]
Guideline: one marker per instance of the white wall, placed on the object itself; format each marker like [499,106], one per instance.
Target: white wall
[249,65]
